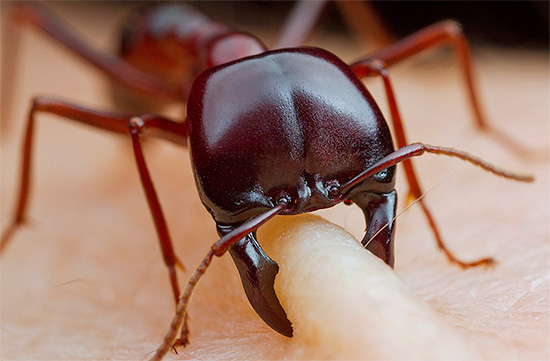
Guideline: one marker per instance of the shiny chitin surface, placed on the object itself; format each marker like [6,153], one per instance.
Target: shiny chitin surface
[293,123]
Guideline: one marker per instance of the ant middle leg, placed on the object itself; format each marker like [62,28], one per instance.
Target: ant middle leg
[300,23]
[112,66]
[116,123]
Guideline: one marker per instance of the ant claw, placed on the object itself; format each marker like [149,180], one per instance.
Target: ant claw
[183,341]
[184,338]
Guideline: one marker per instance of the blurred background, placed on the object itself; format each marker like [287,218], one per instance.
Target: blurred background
[503,23]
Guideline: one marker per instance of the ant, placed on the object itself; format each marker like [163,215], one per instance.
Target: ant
[267,134]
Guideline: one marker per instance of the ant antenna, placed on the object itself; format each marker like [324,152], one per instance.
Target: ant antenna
[407,208]
[218,249]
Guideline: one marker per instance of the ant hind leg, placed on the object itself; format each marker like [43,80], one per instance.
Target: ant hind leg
[116,123]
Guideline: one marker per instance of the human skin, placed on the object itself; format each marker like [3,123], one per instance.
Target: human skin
[85,279]
[347,303]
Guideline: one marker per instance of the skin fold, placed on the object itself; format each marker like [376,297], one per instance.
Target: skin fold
[348,303]
[85,279]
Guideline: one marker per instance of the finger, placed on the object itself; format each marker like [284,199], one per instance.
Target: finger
[346,302]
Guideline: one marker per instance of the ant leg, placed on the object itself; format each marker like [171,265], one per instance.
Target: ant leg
[404,154]
[366,23]
[441,33]
[218,249]
[114,67]
[11,43]
[137,125]
[415,191]
[110,121]
[299,24]
[306,13]
[435,35]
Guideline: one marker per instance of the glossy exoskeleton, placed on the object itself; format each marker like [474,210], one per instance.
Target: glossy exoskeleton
[270,132]
[294,135]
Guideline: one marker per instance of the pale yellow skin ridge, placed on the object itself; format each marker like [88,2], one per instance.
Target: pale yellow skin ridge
[347,303]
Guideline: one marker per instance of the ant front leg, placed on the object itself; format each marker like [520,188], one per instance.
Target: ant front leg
[378,67]
[116,123]
[300,23]
[444,32]
[111,65]
[378,211]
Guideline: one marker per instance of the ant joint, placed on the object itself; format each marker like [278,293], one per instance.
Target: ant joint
[136,124]
[378,64]
[453,28]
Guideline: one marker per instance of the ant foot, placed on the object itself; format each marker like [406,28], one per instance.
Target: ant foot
[484,262]
[183,341]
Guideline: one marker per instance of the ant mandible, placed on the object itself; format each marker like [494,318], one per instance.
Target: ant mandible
[267,134]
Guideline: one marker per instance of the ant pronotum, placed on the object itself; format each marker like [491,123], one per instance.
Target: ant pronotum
[241,202]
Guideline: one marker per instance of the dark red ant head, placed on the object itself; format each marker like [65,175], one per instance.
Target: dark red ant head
[295,123]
